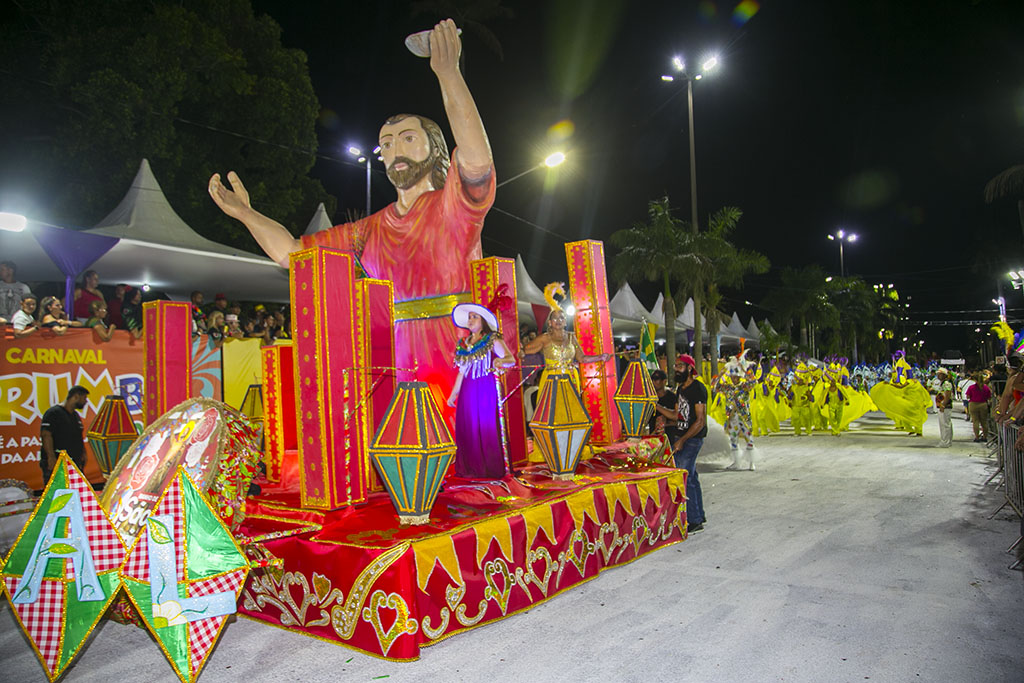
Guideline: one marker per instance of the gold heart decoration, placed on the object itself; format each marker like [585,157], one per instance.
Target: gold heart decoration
[492,592]
[403,624]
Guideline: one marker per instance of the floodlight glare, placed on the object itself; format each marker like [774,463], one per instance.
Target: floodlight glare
[709,64]
[12,222]
[840,234]
[570,310]
[831,238]
[678,63]
[667,78]
[355,151]
[852,238]
[555,159]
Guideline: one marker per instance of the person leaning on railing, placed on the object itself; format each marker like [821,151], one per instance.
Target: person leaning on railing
[1009,407]
[24,321]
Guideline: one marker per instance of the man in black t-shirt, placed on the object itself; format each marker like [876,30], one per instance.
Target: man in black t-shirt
[665,408]
[61,430]
[692,427]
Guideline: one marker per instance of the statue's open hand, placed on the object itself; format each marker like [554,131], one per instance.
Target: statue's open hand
[445,47]
[233,202]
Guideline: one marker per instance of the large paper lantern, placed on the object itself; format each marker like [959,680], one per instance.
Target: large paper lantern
[636,399]
[412,450]
[561,425]
[62,573]
[112,433]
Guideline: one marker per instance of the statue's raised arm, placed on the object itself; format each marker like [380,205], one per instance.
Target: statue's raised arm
[474,150]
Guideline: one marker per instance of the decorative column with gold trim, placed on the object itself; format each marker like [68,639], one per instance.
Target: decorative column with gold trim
[375,374]
[279,408]
[487,275]
[588,284]
[326,339]
[168,356]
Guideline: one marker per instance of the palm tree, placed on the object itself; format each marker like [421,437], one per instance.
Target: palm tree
[802,298]
[728,266]
[858,305]
[651,251]
[1009,183]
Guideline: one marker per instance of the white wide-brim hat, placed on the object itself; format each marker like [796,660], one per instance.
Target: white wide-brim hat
[460,315]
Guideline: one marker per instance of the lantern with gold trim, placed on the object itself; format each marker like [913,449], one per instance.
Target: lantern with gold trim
[636,399]
[561,425]
[412,450]
[112,433]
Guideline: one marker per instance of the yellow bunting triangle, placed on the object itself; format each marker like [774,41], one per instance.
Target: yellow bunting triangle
[538,517]
[582,503]
[618,492]
[493,529]
[649,488]
[429,552]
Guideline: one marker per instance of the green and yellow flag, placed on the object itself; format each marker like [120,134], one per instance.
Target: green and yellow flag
[647,331]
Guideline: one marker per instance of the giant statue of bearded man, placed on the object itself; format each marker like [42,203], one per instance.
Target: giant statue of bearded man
[425,240]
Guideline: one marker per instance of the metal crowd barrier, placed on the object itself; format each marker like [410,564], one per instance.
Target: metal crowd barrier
[1011,460]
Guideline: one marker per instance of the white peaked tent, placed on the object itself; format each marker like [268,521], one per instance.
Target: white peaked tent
[526,289]
[735,328]
[626,305]
[767,327]
[158,248]
[686,317]
[752,331]
[319,222]
[527,293]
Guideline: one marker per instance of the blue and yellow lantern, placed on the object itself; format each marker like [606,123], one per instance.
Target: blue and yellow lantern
[635,399]
[112,433]
[412,451]
[561,425]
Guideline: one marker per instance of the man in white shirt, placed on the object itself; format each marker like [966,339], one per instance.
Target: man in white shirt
[11,291]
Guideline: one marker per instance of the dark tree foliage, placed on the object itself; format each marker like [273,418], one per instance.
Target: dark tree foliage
[195,86]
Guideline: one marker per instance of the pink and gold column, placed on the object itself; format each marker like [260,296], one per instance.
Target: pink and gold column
[487,275]
[588,285]
[168,356]
[328,332]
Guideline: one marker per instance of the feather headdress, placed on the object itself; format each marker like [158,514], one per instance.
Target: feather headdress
[549,295]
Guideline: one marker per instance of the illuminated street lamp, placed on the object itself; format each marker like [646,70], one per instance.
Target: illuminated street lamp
[550,161]
[364,158]
[842,236]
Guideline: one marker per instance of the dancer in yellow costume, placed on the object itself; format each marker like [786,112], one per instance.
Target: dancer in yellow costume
[833,397]
[902,398]
[802,400]
[560,349]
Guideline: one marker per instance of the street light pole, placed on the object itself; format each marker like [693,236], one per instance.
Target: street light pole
[841,237]
[361,158]
[680,66]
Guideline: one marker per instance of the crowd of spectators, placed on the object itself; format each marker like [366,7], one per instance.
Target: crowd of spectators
[28,313]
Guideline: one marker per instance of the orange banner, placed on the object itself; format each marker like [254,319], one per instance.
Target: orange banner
[36,373]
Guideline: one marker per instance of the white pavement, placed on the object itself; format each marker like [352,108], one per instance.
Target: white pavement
[864,557]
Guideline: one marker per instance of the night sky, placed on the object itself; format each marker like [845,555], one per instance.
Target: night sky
[883,118]
[879,117]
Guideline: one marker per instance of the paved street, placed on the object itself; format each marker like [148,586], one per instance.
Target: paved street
[863,557]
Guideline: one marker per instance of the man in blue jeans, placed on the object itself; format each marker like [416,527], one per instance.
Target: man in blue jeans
[692,424]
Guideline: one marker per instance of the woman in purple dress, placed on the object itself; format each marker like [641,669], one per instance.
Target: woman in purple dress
[480,447]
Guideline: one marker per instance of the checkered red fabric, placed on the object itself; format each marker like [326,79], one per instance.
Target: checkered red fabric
[202,634]
[107,549]
[137,566]
[42,619]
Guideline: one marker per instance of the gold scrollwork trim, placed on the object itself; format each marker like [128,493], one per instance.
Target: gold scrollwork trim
[345,617]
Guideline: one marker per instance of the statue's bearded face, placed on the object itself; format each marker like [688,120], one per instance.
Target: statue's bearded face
[406,151]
